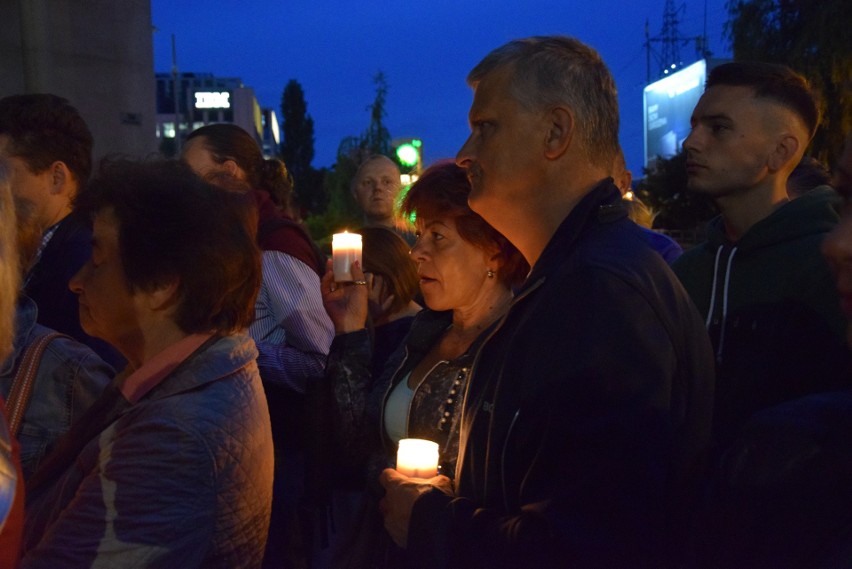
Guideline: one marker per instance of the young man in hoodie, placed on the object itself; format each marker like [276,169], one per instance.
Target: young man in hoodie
[767,295]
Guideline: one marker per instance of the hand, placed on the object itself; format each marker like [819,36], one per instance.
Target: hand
[400,494]
[345,303]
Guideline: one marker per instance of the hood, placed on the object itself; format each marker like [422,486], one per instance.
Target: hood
[815,212]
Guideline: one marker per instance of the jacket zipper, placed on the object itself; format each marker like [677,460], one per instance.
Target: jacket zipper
[462,443]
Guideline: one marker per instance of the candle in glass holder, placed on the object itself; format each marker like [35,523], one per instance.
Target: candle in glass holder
[417,458]
[345,250]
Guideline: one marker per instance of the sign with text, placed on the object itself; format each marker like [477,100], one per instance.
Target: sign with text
[212,100]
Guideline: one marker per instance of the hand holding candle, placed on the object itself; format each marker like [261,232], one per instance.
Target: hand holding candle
[345,250]
[417,458]
[401,493]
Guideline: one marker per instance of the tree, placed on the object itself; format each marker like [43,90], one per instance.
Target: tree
[297,149]
[663,190]
[342,210]
[377,139]
[811,37]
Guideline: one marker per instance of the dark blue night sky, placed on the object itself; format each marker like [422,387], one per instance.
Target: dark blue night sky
[424,48]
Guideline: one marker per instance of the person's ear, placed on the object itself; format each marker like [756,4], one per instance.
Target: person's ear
[233,169]
[494,259]
[164,296]
[786,150]
[560,132]
[62,179]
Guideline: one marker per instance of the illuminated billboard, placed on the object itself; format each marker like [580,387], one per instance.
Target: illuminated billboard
[668,105]
[212,100]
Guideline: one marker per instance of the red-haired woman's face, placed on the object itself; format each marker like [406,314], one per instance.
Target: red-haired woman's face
[452,271]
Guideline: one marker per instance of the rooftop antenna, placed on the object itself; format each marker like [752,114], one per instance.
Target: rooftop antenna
[669,59]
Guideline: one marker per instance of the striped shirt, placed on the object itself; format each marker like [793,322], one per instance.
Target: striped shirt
[292,331]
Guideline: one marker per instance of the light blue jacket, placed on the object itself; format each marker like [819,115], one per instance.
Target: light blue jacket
[69,379]
[181,479]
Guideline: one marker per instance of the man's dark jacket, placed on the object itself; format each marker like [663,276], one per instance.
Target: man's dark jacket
[588,413]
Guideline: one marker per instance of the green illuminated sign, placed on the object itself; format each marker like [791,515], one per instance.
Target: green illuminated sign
[409,153]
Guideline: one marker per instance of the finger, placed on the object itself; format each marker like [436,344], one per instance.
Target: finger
[357,271]
[328,277]
[443,483]
[438,480]
[390,477]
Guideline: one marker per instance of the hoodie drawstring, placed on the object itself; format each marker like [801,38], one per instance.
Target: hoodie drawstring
[713,290]
[724,293]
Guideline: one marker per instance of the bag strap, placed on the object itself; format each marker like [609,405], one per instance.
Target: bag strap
[22,385]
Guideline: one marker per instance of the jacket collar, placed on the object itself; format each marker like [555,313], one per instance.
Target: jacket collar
[603,204]
[217,358]
[428,325]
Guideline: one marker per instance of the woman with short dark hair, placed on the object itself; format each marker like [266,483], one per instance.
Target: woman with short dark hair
[172,464]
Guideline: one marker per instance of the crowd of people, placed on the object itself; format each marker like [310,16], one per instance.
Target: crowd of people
[187,383]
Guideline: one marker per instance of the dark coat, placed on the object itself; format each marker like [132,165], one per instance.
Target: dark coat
[587,415]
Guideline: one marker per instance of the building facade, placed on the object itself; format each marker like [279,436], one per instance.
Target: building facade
[187,101]
[99,58]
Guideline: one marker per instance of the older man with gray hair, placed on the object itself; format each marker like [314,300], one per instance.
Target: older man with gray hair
[588,409]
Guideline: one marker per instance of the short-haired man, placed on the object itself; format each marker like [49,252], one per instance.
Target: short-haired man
[48,149]
[589,406]
[766,292]
[781,497]
[376,188]
[172,465]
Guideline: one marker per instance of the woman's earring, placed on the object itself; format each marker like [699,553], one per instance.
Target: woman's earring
[490,274]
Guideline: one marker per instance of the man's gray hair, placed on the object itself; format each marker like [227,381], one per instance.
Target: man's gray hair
[556,70]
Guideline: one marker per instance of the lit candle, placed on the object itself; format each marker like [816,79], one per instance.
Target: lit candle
[345,250]
[417,458]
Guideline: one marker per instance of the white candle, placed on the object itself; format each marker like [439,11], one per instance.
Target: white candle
[345,250]
[417,458]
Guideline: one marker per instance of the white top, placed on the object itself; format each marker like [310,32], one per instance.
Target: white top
[396,410]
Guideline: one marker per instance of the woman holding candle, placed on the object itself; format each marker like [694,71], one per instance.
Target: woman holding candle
[467,271]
